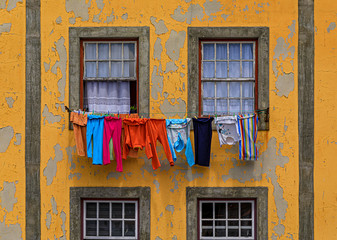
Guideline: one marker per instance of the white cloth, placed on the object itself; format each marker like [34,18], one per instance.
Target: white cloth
[227,130]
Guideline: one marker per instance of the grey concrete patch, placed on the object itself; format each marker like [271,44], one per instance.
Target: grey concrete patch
[79,7]
[96,18]
[72,175]
[50,170]
[49,116]
[331,27]
[194,11]
[285,84]
[171,67]
[170,110]
[6,135]
[46,66]
[125,16]
[3,4]
[160,27]
[158,238]
[72,21]
[100,4]
[62,65]
[11,4]
[225,16]
[212,7]
[6,27]
[111,17]
[58,20]
[157,82]
[274,66]
[18,139]
[10,101]
[70,152]
[285,125]
[246,8]
[53,205]
[157,49]
[63,217]
[115,175]
[170,208]
[62,106]
[10,231]
[7,196]
[174,44]
[48,220]
[157,184]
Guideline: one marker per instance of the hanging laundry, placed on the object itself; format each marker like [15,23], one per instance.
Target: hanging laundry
[112,129]
[247,128]
[79,123]
[178,134]
[227,130]
[202,140]
[95,128]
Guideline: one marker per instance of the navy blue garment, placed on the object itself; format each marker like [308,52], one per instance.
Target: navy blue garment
[202,140]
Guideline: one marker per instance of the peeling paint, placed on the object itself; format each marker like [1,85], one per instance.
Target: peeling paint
[10,231]
[115,175]
[6,27]
[157,184]
[46,66]
[174,237]
[62,65]
[212,7]
[170,110]
[18,139]
[58,20]
[62,106]
[170,208]
[50,170]
[171,67]
[70,150]
[100,4]
[63,217]
[7,196]
[48,219]
[224,16]
[158,49]
[53,205]
[285,84]
[72,175]
[158,238]
[50,117]
[125,16]
[110,18]
[72,20]
[79,7]
[194,11]
[10,101]
[160,27]
[157,82]
[6,135]
[331,27]
[12,4]
[174,44]
[3,4]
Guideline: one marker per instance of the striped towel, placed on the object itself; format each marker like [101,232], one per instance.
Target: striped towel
[247,129]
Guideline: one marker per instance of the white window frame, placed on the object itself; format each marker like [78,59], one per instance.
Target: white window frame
[227,79]
[110,219]
[226,219]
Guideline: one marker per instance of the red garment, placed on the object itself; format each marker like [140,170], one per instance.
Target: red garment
[112,129]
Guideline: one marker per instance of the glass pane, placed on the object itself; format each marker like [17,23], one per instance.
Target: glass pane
[220,232]
[248,106]
[208,69]
[233,210]
[90,69]
[208,51]
[234,51]
[221,106]
[116,228]
[221,89]
[129,228]
[233,223]
[220,223]
[208,89]
[129,211]
[221,51]
[103,69]
[103,228]
[247,51]
[116,51]
[248,89]
[246,210]
[207,232]
[207,223]
[104,210]
[91,210]
[90,51]
[246,223]
[234,69]
[246,232]
[91,228]
[129,69]
[233,232]
[116,210]
[208,107]
[116,69]
[221,69]
[220,210]
[103,51]
[129,51]
[247,69]
[234,106]
[234,89]
[207,210]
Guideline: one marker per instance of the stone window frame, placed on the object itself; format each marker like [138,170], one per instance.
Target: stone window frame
[195,34]
[140,33]
[143,194]
[193,194]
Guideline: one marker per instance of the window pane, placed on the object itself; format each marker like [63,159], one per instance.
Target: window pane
[90,51]
[248,106]
[221,89]
[234,51]
[246,223]
[91,228]
[233,223]
[208,107]
[234,69]
[129,69]
[103,51]
[246,210]
[116,210]
[247,69]
[208,89]
[220,223]
[116,51]
[233,232]
[221,106]
[207,232]
[208,69]
[104,210]
[221,69]
[248,89]
[234,89]
[207,210]
[246,232]
[234,106]
[91,210]
[220,232]
[247,51]
[220,210]
[233,210]
[221,51]
[207,223]
[116,69]
[103,228]
[130,210]
[208,51]
[129,51]
[116,228]
[103,69]
[90,69]
[129,228]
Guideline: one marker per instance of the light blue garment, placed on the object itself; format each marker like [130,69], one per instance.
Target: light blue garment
[95,127]
[178,134]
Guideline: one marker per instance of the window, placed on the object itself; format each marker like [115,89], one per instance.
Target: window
[227,219]
[109,75]
[110,219]
[227,77]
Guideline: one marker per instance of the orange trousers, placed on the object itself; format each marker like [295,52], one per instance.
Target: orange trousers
[79,123]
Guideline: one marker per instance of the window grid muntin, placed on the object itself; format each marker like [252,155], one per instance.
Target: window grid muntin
[110,219]
[227,79]
[122,60]
[252,219]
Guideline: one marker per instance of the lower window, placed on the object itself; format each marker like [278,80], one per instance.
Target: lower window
[110,219]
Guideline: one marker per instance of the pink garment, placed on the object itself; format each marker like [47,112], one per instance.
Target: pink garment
[112,128]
